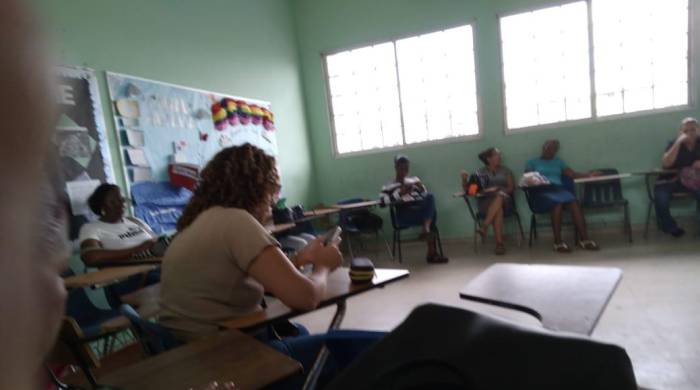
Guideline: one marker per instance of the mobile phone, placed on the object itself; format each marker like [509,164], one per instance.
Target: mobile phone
[332,235]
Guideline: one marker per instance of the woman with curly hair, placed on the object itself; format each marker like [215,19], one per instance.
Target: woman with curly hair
[223,259]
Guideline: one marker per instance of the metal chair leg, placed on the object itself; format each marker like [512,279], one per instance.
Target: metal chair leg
[628,223]
[476,238]
[439,242]
[646,226]
[520,229]
[533,232]
[352,255]
[386,244]
[398,243]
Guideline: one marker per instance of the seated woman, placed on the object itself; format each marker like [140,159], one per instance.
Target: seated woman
[681,153]
[556,197]
[497,198]
[419,209]
[223,259]
[113,237]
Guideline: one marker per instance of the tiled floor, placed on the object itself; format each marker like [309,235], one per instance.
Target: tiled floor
[654,314]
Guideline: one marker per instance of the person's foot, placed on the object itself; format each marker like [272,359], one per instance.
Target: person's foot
[436,259]
[588,245]
[677,232]
[562,248]
[500,249]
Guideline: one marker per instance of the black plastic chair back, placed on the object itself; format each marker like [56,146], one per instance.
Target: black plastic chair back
[154,338]
[345,216]
[603,193]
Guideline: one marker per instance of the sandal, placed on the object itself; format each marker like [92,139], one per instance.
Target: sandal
[500,249]
[562,248]
[588,245]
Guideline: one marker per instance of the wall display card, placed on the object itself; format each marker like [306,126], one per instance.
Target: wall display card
[78,193]
[135,138]
[170,113]
[137,174]
[136,157]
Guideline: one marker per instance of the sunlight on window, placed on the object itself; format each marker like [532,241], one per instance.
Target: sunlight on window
[641,54]
[438,85]
[437,91]
[364,98]
[546,65]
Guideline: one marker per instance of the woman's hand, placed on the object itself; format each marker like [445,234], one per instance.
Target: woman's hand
[681,137]
[146,245]
[320,255]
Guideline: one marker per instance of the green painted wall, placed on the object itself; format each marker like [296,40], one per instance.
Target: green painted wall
[629,144]
[245,48]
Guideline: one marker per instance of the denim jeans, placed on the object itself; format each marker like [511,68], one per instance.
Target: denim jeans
[663,193]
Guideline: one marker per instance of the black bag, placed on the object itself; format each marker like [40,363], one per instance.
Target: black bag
[440,347]
[364,220]
[281,216]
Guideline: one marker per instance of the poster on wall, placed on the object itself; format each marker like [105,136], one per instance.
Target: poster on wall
[161,123]
[80,139]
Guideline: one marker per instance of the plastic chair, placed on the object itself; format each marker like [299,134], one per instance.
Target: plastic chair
[394,210]
[650,181]
[477,217]
[347,221]
[567,183]
[154,338]
[607,194]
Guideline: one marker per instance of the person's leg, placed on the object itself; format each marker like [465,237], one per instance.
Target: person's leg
[556,223]
[662,204]
[498,226]
[579,220]
[428,212]
[495,206]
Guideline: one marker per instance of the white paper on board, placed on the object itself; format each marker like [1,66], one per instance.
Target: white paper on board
[137,157]
[141,174]
[78,193]
[135,138]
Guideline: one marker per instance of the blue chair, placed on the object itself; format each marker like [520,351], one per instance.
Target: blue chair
[394,211]
[349,221]
[154,338]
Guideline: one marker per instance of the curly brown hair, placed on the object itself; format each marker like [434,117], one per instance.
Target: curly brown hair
[238,176]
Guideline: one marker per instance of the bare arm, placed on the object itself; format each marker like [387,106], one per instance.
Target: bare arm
[577,175]
[510,187]
[93,255]
[669,157]
[279,276]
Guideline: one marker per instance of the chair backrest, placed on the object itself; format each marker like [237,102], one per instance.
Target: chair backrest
[344,215]
[81,309]
[472,211]
[153,337]
[603,192]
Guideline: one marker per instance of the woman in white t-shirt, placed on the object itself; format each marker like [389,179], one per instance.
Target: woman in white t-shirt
[113,237]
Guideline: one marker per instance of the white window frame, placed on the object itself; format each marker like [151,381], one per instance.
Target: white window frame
[692,96]
[463,138]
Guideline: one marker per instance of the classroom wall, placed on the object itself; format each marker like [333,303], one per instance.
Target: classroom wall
[244,48]
[629,144]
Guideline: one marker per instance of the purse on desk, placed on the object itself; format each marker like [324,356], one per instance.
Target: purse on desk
[361,270]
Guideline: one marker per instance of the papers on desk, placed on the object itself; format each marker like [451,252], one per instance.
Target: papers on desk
[78,193]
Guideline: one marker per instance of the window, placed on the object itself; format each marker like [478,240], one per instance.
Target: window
[637,60]
[641,54]
[546,65]
[404,92]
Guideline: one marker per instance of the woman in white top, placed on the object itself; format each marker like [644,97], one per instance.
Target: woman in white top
[113,237]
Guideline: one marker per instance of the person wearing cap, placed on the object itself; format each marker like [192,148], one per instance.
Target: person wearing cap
[415,205]
[555,197]
[683,152]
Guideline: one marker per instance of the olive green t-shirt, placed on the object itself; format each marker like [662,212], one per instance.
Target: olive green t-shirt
[204,276]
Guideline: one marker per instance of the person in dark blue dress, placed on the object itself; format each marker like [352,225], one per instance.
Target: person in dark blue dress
[559,195]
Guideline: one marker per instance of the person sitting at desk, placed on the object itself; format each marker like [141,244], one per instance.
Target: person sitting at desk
[497,198]
[555,197]
[681,153]
[113,237]
[415,206]
[222,260]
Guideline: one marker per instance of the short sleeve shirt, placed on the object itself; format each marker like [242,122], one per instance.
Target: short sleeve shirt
[551,169]
[204,276]
[126,234]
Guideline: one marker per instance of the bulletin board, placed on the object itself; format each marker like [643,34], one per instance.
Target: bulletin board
[80,139]
[159,123]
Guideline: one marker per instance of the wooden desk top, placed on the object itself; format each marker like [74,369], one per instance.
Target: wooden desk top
[359,205]
[339,288]
[226,356]
[563,298]
[279,228]
[127,263]
[321,212]
[105,276]
[656,171]
[602,178]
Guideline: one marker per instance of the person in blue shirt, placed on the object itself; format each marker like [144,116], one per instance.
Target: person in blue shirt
[559,195]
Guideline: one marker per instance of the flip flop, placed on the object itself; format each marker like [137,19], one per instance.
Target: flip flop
[562,248]
[588,245]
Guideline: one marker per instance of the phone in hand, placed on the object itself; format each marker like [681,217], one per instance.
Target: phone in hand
[331,235]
